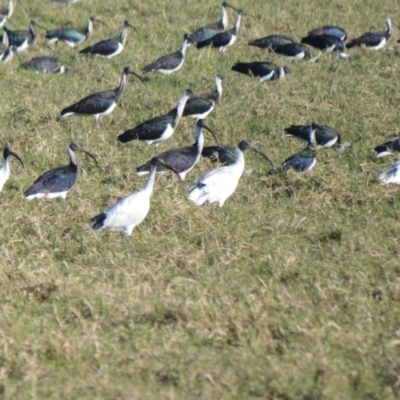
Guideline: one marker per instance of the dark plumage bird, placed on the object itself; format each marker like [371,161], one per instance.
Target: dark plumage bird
[4,43]
[221,154]
[292,51]
[199,107]
[325,136]
[303,161]
[324,42]
[5,13]
[263,70]
[386,148]
[22,39]
[271,41]
[183,159]
[58,181]
[373,40]
[110,47]
[45,64]
[224,39]
[329,30]
[99,104]
[5,168]
[170,62]
[157,129]
[208,31]
[71,36]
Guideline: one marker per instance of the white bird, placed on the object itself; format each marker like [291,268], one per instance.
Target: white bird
[5,169]
[219,184]
[130,211]
[391,175]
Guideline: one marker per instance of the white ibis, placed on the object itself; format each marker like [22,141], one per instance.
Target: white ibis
[5,168]
[130,211]
[217,185]
[99,104]
[58,181]
[110,47]
[183,159]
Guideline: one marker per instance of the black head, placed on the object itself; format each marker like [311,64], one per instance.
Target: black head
[128,70]
[286,69]
[187,38]
[244,145]
[8,152]
[127,23]
[201,123]
[75,147]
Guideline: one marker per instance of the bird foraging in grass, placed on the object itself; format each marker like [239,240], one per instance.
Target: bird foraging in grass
[131,210]
[217,185]
[59,181]
[99,104]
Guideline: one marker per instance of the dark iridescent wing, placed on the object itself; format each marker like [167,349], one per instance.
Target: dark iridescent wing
[222,39]
[368,39]
[56,180]
[329,30]
[43,64]
[148,130]
[169,61]
[68,34]
[203,34]
[103,48]
[196,105]
[271,41]
[291,49]
[322,42]
[301,161]
[256,68]
[95,103]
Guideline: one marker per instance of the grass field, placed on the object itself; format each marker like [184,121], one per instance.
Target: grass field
[290,291]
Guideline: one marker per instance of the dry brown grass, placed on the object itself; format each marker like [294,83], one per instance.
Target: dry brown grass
[290,291]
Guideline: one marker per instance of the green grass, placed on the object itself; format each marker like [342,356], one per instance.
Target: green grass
[290,291]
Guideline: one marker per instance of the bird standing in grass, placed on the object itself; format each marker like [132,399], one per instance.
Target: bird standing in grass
[130,211]
[5,168]
[169,63]
[217,185]
[157,129]
[183,159]
[99,104]
[224,39]
[208,31]
[110,47]
[71,36]
[199,107]
[58,181]
[22,39]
